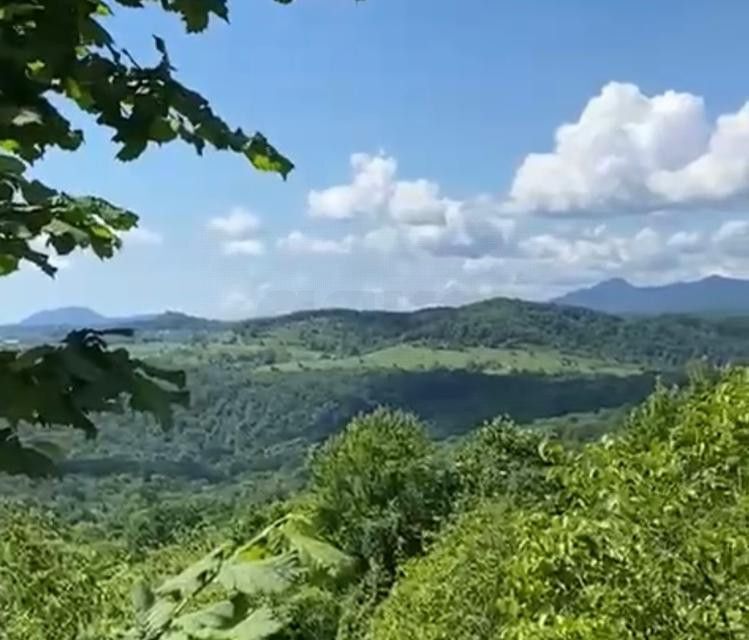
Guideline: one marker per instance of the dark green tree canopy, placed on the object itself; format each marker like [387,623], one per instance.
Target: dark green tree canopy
[57,51]
[60,49]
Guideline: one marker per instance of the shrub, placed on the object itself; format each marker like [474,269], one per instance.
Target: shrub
[51,584]
[378,489]
[646,539]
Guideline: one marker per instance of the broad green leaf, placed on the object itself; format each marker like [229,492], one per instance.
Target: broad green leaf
[317,554]
[9,164]
[221,615]
[269,575]
[259,625]
[132,149]
[196,576]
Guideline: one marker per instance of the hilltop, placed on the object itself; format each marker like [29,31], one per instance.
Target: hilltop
[327,337]
[712,295]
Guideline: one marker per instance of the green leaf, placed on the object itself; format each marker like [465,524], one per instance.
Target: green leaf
[317,554]
[265,157]
[17,459]
[8,264]
[220,615]
[196,576]
[9,164]
[259,625]
[268,575]
[132,149]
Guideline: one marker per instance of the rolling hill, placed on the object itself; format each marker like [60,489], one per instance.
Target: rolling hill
[346,338]
[65,317]
[264,390]
[713,295]
[501,323]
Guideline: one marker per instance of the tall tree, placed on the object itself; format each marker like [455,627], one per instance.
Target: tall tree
[53,50]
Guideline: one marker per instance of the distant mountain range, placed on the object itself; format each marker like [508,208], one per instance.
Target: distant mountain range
[76,317]
[712,295]
[56,322]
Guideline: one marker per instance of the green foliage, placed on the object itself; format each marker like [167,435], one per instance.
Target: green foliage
[165,523]
[379,489]
[500,459]
[59,49]
[52,585]
[63,385]
[284,558]
[35,211]
[646,538]
[515,325]
[503,535]
[246,432]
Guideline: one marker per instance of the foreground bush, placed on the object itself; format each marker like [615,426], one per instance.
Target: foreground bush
[647,538]
[52,584]
[379,490]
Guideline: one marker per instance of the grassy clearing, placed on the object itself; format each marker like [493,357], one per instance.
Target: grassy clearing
[496,361]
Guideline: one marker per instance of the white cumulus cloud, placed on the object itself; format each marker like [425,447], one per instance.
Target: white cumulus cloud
[238,222]
[408,215]
[246,247]
[629,152]
[374,192]
[300,243]
[368,192]
[417,202]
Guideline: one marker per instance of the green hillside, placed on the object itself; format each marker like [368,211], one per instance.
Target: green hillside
[265,390]
[503,534]
[512,324]
[264,393]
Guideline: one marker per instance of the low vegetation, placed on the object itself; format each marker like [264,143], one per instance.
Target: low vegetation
[506,534]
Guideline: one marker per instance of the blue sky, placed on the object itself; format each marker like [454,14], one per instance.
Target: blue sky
[413,125]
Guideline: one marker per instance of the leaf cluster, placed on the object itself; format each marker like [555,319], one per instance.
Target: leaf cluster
[646,537]
[285,558]
[62,385]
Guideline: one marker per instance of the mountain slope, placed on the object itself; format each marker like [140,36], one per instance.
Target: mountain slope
[499,323]
[503,323]
[715,294]
[65,317]
[83,317]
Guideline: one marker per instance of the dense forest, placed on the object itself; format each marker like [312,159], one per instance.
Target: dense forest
[264,391]
[508,532]
[365,519]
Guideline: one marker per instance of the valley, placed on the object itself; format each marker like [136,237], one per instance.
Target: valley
[264,391]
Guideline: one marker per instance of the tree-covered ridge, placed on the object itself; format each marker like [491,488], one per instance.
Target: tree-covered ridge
[498,323]
[508,534]
[264,390]
[502,322]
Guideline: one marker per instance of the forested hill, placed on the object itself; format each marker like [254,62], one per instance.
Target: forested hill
[660,341]
[264,391]
[507,323]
